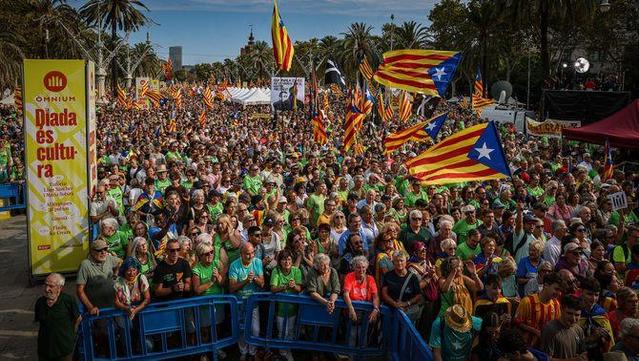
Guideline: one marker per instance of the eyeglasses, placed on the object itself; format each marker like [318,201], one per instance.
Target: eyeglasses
[416,219]
[209,253]
[101,250]
[173,250]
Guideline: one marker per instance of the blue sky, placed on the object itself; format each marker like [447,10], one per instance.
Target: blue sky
[211,30]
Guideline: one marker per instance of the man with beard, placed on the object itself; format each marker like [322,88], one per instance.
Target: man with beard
[58,316]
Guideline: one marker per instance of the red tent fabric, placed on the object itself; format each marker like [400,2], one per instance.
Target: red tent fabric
[621,129]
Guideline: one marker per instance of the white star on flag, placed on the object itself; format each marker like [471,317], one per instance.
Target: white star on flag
[439,72]
[430,126]
[484,151]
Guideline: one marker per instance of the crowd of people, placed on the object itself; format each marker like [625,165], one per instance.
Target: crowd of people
[533,267]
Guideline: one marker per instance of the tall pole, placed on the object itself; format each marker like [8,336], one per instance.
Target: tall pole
[528,85]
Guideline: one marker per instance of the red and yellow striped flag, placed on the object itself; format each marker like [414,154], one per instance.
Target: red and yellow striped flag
[283,49]
[385,112]
[202,119]
[177,96]
[326,103]
[474,153]
[17,99]
[122,98]
[366,69]
[172,126]
[145,89]
[168,69]
[208,98]
[478,101]
[352,126]
[405,106]
[319,132]
[418,71]
[154,96]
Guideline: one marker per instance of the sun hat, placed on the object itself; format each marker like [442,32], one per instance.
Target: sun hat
[458,319]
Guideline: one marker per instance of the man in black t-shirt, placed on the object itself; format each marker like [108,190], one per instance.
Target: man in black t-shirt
[172,277]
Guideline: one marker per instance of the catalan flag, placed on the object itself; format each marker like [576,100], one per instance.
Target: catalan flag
[418,132]
[177,96]
[282,45]
[172,126]
[366,69]
[608,172]
[418,71]
[352,126]
[326,103]
[384,111]
[144,90]
[319,132]
[479,101]
[208,97]
[122,98]
[336,89]
[474,153]
[17,99]
[202,119]
[154,96]
[168,69]
[405,106]
[366,102]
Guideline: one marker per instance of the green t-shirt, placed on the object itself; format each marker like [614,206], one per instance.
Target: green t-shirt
[619,256]
[118,243]
[462,227]
[118,196]
[315,203]
[252,184]
[466,253]
[278,278]
[615,218]
[205,274]
[411,198]
[536,191]
[215,210]
[162,185]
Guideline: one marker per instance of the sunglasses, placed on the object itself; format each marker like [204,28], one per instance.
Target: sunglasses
[416,219]
[101,250]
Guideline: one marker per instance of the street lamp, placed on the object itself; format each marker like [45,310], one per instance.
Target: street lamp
[604,6]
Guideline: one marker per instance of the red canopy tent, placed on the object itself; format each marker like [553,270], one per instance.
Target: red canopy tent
[620,129]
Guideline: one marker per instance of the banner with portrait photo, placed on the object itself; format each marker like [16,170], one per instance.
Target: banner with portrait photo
[284,90]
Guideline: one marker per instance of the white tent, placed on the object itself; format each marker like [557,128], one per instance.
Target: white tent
[250,96]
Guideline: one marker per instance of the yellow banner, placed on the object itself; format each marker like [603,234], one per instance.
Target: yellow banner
[549,128]
[55,118]
[92,128]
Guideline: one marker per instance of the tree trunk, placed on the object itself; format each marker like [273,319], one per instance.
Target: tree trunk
[114,65]
[484,64]
[543,28]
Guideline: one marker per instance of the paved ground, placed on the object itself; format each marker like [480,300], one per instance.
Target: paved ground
[18,332]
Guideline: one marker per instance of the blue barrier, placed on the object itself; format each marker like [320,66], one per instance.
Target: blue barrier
[408,343]
[175,329]
[338,333]
[14,196]
[162,330]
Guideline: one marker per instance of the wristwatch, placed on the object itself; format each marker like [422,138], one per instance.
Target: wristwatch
[408,302]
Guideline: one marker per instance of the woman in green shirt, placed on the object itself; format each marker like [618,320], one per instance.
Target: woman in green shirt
[116,239]
[208,279]
[322,282]
[142,253]
[229,237]
[286,278]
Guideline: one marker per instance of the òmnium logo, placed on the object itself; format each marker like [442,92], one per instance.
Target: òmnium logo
[55,81]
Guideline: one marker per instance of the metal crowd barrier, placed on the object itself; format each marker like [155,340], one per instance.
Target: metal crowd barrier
[13,195]
[183,327]
[162,330]
[315,329]
[408,344]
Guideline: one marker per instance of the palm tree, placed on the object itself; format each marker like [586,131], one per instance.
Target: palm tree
[486,20]
[11,55]
[120,15]
[357,44]
[261,56]
[410,35]
[541,13]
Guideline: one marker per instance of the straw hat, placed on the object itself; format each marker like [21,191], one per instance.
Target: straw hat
[458,319]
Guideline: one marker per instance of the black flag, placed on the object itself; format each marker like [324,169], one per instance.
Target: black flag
[332,75]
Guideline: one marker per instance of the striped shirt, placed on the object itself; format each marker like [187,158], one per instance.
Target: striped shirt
[532,312]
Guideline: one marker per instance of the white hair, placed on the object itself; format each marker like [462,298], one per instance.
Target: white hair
[415,212]
[204,238]
[110,222]
[202,248]
[320,259]
[57,278]
[359,260]
[138,241]
[448,242]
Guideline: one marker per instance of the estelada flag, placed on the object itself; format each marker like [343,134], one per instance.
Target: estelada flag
[608,172]
[478,100]
[418,71]
[428,129]
[319,132]
[474,154]
[283,49]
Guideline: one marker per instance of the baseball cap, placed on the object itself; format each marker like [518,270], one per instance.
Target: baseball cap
[570,247]
[99,244]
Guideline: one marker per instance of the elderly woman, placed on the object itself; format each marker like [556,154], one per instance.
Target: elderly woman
[286,278]
[400,288]
[209,275]
[486,261]
[131,288]
[448,249]
[455,287]
[198,206]
[186,250]
[116,240]
[359,286]
[445,232]
[322,282]
[144,256]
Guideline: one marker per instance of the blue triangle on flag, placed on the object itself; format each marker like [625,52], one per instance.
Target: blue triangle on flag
[443,73]
[433,127]
[488,151]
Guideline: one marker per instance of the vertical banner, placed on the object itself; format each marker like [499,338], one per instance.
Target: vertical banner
[92,160]
[55,127]
[283,90]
